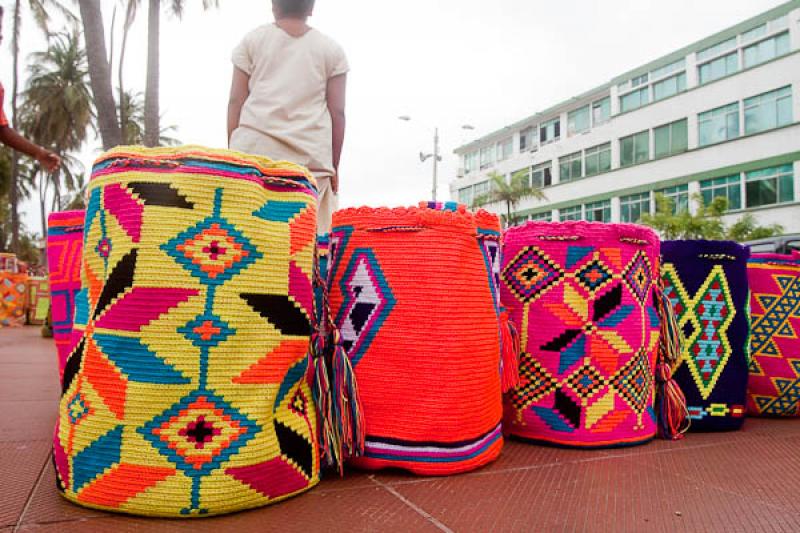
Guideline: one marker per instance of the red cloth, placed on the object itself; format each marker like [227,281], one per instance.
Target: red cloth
[3,118]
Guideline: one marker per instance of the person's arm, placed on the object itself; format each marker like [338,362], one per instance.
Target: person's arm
[335,94]
[15,141]
[240,90]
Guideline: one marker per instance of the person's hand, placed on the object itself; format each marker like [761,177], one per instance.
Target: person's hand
[49,160]
[335,183]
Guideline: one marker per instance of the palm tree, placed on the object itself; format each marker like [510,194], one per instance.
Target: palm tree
[41,11]
[24,189]
[509,192]
[152,130]
[131,114]
[100,73]
[58,107]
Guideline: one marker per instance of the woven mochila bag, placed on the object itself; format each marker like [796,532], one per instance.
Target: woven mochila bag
[413,298]
[64,252]
[774,386]
[706,281]
[584,296]
[186,393]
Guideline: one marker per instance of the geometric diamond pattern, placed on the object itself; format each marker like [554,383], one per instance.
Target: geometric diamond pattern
[586,381]
[634,381]
[704,320]
[594,275]
[78,408]
[199,433]
[207,330]
[638,276]
[213,250]
[531,273]
[534,383]
[368,300]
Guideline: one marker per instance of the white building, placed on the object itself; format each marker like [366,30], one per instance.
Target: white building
[718,117]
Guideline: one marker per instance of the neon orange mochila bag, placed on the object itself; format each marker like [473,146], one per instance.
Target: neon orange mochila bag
[413,294]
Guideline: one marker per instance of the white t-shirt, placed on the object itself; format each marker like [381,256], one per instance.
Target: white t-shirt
[286,115]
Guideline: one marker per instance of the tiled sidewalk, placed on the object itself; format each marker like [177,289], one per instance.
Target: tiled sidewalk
[743,481]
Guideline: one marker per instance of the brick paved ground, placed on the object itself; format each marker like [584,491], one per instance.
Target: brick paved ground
[743,481]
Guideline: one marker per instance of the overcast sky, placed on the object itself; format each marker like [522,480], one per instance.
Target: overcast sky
[444,63]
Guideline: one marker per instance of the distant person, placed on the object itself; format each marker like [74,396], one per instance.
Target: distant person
[288,97]
[9,136]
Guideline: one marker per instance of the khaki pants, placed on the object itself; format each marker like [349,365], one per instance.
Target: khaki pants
[328,203]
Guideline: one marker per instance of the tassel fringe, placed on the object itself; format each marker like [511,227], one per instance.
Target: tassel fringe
[510,349]
[673,415]
[341,416]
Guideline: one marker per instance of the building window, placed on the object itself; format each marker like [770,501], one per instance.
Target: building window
[754,33]
[542,175]
[639,80]
[718,68]
[769,186]
[766,50]
[522,174]
[717,49]
[505,149]
[768,110]
[729,187]
[671,138]
[527,139]
[717,125]
[570,167]
[598,211]
[669,87]
[634,206]
[549,131]
[634,100]
[480,192]
[678,196]
[487,157]
[545,216]
[598,159]
[578,120]
[668,69]
[570,213]
[601,111]
[465,196]
[471,162]
[634,148]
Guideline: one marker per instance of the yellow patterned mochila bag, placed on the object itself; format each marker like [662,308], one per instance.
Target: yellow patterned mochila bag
[186,393]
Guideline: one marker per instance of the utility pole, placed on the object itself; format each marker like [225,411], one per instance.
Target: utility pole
[435,161]
[435,155]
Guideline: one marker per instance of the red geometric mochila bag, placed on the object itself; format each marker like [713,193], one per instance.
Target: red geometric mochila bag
[585,297]
[413,296]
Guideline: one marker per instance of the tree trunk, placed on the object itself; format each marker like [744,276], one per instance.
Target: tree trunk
[100,73]
[13,191]
[151,111]
[123,118]
[42,202]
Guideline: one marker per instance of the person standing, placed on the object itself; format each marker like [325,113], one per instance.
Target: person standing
[287,99]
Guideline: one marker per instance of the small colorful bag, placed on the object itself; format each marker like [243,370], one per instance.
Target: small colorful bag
[186,394]
[774,386]
[413,297]
[706,281]
[13,297]
[583,296]
[38,301]
[64,252]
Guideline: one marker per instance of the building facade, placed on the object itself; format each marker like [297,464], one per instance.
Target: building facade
[717,118]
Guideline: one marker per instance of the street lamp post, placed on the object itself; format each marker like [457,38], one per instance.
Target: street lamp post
[436,158]
[435,155]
